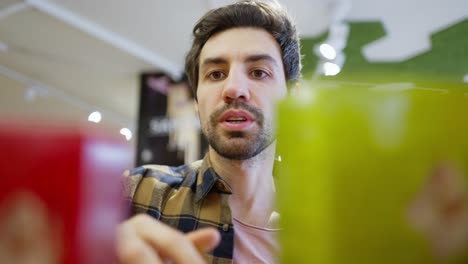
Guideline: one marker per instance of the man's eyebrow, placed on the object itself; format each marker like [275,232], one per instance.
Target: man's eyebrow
[251,58]
[261,57]
[215,60]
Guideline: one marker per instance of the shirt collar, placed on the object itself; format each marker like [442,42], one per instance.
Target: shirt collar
[208,180]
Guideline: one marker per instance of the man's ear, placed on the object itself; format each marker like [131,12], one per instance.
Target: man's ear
[293,87]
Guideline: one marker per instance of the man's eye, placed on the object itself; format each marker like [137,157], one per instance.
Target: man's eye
[259,74]
[216,75]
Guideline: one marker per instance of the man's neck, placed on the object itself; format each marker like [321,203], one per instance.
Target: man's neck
[251,180]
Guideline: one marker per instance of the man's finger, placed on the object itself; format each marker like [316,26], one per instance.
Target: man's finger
[205,239]
[131,249]
[170,243]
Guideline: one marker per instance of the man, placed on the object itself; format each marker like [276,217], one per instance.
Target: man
[241,59]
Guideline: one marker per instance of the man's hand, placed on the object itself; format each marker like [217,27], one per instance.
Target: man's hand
[143,239]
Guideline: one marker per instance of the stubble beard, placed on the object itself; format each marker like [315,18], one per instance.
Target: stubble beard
[238,145]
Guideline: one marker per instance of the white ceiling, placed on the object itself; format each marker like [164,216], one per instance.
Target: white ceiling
[80,56]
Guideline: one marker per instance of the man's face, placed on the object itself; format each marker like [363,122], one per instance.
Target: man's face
[241,77]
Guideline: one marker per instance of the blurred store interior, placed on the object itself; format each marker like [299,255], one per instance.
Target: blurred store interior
[90,61]
[389,169]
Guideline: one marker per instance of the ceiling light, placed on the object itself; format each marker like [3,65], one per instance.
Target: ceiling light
[127,133]
[95,117]
[30,94]
[327,51]
[3,47]
[331,69]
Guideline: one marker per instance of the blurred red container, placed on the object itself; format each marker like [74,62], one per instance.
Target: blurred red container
[76,173]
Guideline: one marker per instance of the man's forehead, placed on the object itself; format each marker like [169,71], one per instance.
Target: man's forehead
[241,43]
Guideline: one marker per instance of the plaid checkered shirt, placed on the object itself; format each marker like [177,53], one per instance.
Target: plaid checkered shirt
[187,197]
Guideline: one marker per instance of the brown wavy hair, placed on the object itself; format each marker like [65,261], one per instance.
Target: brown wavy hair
[267,15]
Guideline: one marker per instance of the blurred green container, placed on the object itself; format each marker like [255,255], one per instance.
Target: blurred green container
[374,175]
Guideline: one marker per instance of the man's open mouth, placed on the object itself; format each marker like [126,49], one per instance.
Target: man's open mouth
[236,119]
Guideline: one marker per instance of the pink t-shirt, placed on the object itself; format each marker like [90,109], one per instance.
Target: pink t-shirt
[254,244]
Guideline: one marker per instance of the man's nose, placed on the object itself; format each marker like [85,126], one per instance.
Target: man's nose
[236,86]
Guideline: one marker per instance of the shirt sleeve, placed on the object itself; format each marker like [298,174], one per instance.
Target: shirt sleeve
[129,183]
[146,188]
